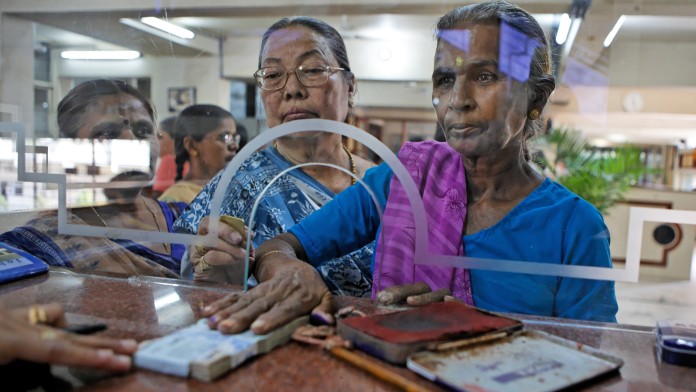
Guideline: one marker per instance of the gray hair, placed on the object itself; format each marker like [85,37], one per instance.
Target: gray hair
[541,81]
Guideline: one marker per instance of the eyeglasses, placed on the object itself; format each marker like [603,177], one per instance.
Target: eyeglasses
[310,75]
[229,138]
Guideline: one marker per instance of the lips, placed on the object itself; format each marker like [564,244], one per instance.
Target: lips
[462,129]
[298,114]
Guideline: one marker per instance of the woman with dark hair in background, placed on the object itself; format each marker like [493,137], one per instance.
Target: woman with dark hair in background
[205,137]
[165,175]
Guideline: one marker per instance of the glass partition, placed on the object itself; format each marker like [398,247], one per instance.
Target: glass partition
[81,167]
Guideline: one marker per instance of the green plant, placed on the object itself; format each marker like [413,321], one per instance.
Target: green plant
[602,177]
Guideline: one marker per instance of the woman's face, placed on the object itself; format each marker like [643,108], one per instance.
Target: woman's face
[290,48]
[119,116]
[480,109]
[218,147]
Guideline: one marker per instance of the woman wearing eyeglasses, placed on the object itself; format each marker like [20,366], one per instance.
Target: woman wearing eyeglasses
[205,136]
[303,73]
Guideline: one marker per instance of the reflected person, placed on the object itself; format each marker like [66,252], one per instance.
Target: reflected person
[102,110]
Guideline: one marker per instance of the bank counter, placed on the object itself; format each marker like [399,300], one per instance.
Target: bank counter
[144,308]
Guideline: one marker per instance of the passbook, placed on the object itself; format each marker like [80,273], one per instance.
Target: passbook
[17,264]
[206,354]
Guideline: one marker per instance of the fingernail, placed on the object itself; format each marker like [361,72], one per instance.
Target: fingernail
[227,325]
[129,344]
[214,319]
[207,309]
[385,298]
[258,324]
[123,360]
[105,353]
[319,318]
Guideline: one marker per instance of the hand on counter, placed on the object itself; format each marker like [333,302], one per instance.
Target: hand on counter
[34,334]
[294,288]
[413,294]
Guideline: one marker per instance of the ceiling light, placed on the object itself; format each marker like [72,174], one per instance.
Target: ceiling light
[168,27]
[613,31]
[563,29]
[100,54]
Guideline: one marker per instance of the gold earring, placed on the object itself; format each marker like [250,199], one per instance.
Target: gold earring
[194,153]
[534,114]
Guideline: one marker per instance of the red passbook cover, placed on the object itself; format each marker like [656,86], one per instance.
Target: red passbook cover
[437,321]
[394,336]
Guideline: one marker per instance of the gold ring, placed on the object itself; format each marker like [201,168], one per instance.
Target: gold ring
[201,250]
[36,315]
[203,264]
[49,335]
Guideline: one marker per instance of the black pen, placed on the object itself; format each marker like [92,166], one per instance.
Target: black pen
[85,329]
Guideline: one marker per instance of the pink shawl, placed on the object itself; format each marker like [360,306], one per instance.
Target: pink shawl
[439,175]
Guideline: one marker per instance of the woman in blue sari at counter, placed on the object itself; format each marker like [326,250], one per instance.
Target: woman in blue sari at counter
[304,73]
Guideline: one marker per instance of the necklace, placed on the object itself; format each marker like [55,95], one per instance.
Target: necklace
[350,160]
[154,216]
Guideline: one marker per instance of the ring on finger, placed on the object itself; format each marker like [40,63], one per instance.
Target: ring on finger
[49,335]
[36,315]
[203,264]
[201,250]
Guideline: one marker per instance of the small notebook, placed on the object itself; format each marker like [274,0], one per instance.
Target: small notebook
[394,336]
[207,354]
[17,264]
[524,361]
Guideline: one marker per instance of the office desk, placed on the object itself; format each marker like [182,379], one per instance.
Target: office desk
[143,308]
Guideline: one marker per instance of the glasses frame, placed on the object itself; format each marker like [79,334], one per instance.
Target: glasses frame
[329,70]
[228,138]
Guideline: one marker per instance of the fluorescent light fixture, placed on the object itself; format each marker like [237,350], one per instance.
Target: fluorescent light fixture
[612,33]
[100,54]
[563,29]
[168,27]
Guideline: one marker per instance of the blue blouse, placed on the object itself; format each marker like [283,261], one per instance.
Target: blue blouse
[551,225]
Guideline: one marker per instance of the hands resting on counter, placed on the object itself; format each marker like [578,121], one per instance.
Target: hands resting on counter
[289,287]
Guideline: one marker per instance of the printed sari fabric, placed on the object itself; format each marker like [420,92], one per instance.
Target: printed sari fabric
[439,175]
[288,200]
[40,237]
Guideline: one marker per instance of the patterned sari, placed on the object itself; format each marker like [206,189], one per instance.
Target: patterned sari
[40,237]
[289,200]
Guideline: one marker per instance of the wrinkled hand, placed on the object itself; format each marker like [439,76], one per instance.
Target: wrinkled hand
[294,289]
[414,294]
[42,343]
[226,261]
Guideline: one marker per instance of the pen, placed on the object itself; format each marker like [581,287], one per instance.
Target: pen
[85,329]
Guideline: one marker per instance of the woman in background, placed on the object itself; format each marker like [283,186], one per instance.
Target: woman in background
[205,137]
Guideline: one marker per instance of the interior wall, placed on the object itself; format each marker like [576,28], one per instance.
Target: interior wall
[17,67]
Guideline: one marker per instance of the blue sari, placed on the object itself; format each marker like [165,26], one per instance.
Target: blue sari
[290,199]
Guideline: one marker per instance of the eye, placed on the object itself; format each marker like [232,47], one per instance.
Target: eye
[107,134]
[443,80]
[143,132]
[486,77]
[271,73]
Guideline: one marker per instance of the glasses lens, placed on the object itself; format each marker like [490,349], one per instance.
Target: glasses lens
[270,78]
[313,74]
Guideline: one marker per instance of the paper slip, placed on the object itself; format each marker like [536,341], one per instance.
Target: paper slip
[206,354]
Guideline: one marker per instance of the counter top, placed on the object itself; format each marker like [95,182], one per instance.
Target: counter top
[144,308]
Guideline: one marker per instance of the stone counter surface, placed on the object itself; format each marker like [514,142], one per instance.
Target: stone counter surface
[144,308]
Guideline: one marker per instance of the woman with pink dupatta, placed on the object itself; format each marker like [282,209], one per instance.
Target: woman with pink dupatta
[483,198]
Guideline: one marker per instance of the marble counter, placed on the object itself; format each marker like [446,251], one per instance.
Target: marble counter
[143,308]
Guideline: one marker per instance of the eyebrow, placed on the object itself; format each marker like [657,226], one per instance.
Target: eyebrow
[301,57]
[118,126]
[476,63]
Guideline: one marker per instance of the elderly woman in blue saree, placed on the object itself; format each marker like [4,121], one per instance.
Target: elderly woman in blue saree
[303,73]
